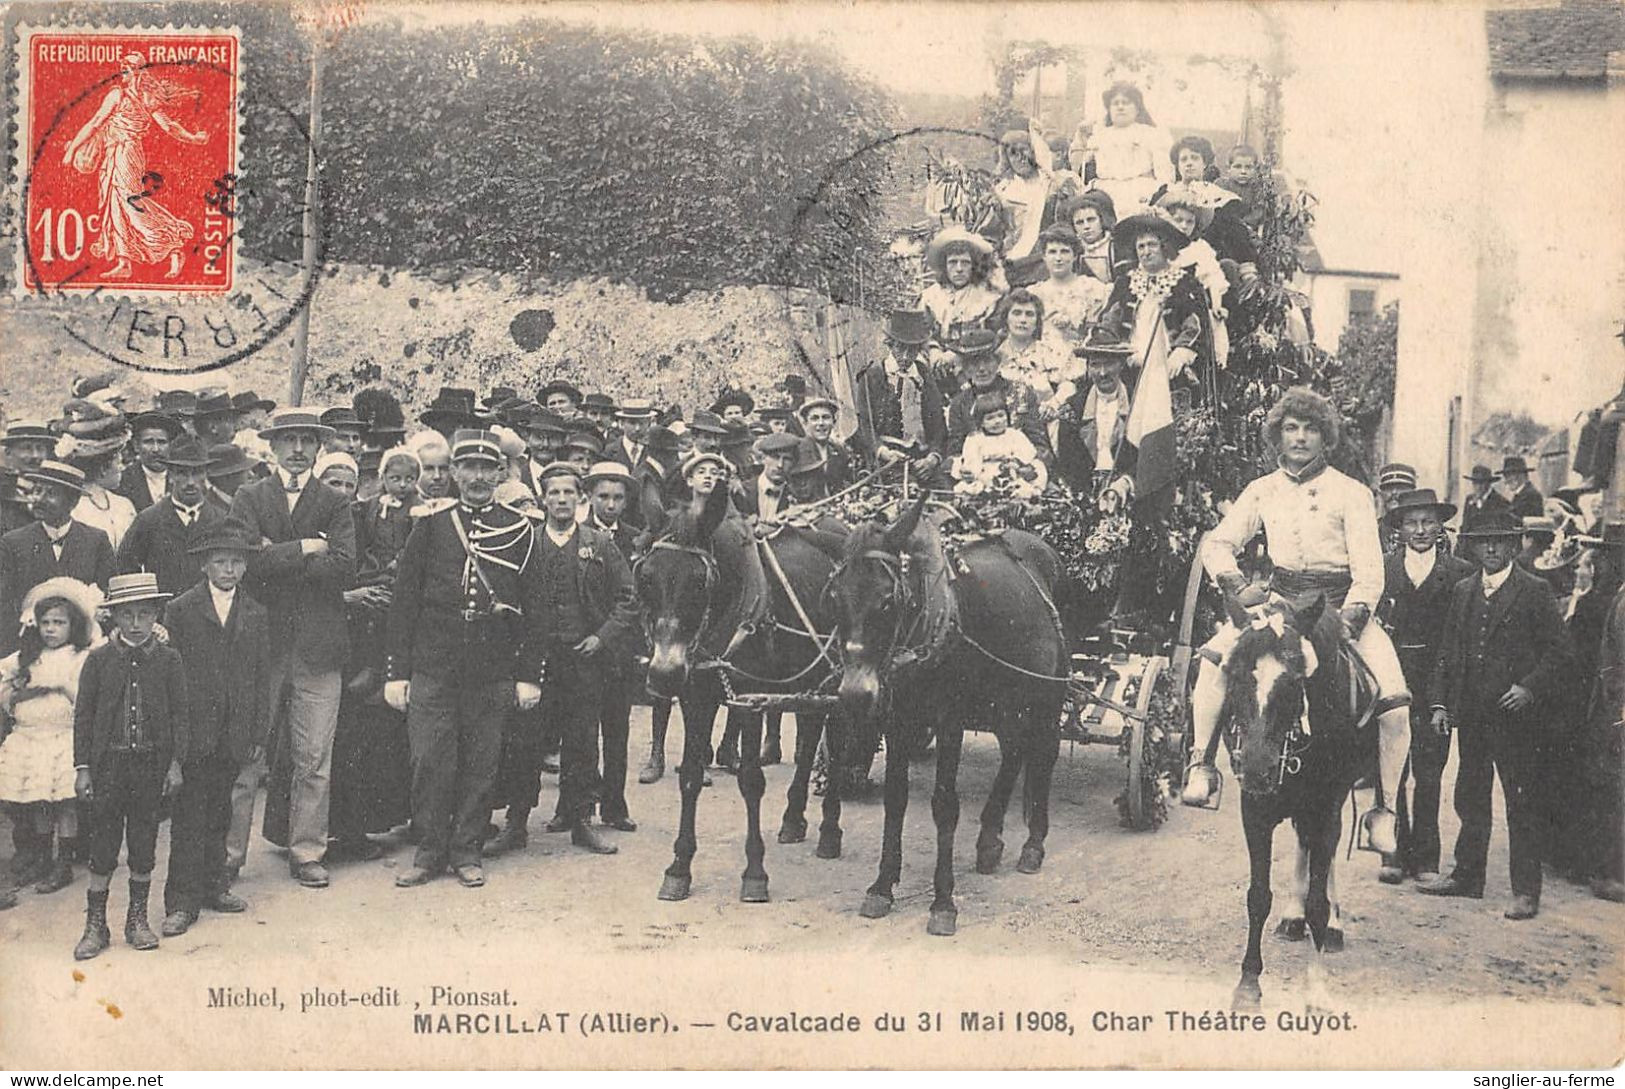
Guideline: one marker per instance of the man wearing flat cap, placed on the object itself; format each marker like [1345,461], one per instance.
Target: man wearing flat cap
[1417,581]
[767,494]
[308,561]
[462,651]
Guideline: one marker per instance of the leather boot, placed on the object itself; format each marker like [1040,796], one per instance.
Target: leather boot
[96,937]
[137,932]
[513,837]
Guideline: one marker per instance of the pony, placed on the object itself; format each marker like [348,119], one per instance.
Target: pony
[952,641]
[1298,709]
[723,612]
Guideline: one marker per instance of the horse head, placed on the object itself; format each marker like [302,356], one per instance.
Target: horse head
[679,583]
[1266,677]
[875,604]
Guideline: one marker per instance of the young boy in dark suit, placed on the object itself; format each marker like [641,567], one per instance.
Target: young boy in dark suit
[223,637]
[129,741]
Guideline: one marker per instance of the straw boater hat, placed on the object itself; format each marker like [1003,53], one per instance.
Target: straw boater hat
[636,408]
[129,589]
[608,470]
[295,419]
[31,431]
[55,472]
[1497,523]
[1419,499]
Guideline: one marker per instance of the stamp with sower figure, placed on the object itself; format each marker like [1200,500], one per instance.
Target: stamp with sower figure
[129,145]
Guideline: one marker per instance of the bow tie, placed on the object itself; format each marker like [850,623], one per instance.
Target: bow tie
[773,491]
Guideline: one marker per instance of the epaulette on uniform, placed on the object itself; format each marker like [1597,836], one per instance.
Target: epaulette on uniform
[432,506]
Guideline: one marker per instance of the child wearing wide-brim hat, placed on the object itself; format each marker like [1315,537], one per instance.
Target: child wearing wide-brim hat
[127,753]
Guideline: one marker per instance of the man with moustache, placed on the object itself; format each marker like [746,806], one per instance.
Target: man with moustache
[51,546]
[161,537]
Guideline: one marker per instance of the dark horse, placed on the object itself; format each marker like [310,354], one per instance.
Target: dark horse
[1298,708]
[953,641]
[719,613]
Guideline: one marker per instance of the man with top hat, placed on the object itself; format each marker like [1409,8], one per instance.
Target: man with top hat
[897,396]
[160,539]
[463,649]
[224,641]
[53,545]
[976,354]
[1321,529]
[1523,498]
[144,482]
[634,417]
[584,613]
[214,419]
[1089,448]
[1503,661]
[1417,581]
[818,417]
[561,397]
[308,561]
[25,445]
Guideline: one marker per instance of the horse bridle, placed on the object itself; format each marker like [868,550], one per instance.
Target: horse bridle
[897,568]
[707,561]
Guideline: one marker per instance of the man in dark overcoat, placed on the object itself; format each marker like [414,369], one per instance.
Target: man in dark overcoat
[1503,661]
[1418,579]
[52,545]
[160,538]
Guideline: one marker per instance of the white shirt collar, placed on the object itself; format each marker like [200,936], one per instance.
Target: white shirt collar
[559,539]
[1494,582]
[222,602]
[57,533]
[157,479]
[1419,565]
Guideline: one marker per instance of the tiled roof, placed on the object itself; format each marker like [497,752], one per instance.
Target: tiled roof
[1572,40]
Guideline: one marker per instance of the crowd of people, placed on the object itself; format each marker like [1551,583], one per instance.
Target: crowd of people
[390,624]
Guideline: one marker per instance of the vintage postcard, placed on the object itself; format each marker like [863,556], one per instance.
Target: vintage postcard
[812,536]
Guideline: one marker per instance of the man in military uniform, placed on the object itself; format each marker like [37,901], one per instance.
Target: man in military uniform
[462,650]
[1417,580]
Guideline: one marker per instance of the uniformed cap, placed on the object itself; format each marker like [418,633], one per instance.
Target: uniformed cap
[1396,475]
[475,444]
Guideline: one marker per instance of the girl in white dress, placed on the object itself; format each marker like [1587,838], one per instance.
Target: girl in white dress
[38,686]
[1129,151]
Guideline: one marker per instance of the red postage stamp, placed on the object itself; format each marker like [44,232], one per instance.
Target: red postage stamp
[129,159]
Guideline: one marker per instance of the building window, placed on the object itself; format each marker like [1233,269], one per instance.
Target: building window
[1362,304]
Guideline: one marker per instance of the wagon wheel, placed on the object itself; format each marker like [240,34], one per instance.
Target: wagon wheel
[1137,724]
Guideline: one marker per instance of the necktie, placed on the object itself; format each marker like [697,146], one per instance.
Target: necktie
[294,487]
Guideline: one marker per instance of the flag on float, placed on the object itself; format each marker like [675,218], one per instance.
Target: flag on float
[1150,426]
